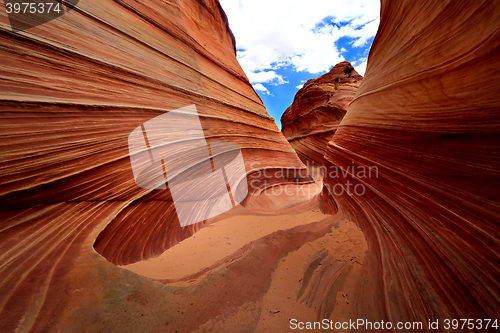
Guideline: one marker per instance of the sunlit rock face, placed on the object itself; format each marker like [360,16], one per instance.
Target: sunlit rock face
[424,125]
[317,109]
[427,115]
[72,92]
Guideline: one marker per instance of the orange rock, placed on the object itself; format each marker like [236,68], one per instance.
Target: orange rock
[427,115]
[74,88]
[72,91]
[317,109]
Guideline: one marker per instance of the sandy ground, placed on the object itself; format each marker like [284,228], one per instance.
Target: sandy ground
[330,284]
[269,211]
[314,282]
[217,241]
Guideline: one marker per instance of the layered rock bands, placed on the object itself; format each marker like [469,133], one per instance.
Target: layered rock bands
[72,90]
[317,109]
[427,117]
[411,161]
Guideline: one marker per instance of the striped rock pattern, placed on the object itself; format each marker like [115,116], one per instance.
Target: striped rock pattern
[317,109]
[427,115]
[71,92]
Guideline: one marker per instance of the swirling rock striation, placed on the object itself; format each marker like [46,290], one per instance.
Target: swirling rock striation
[427,115]
[317,109]
[71,92]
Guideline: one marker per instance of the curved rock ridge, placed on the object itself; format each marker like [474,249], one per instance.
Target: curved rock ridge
[71,92]
[317,109]
[421,127]
[427,116]
[70,103]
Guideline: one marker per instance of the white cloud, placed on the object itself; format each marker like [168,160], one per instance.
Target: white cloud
[276,33]
[299,86]
[265,77]
[361,68]
[366,32]
[343,50]
[260,87]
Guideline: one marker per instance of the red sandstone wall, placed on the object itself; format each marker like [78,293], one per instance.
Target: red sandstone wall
[427,114]
[71,91]
[318,107]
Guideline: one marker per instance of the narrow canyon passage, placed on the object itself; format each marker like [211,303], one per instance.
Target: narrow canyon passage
[72,215]
[378,201]
[271,263]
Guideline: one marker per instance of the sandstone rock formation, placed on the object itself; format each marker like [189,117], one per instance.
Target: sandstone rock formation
[427,115]
[317,109]
[72,90]
[78,236]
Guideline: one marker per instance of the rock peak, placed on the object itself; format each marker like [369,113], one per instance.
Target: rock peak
[317,109]
[343,69]
[343,64]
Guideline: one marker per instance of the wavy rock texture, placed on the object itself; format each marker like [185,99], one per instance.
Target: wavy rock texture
[69,104]
[317,109]
[427,115]
[71,91]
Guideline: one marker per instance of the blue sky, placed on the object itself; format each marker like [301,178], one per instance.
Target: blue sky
[283,43]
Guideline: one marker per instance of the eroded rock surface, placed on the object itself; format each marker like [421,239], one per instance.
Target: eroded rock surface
[427,115]
[72,90]
[317,109]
